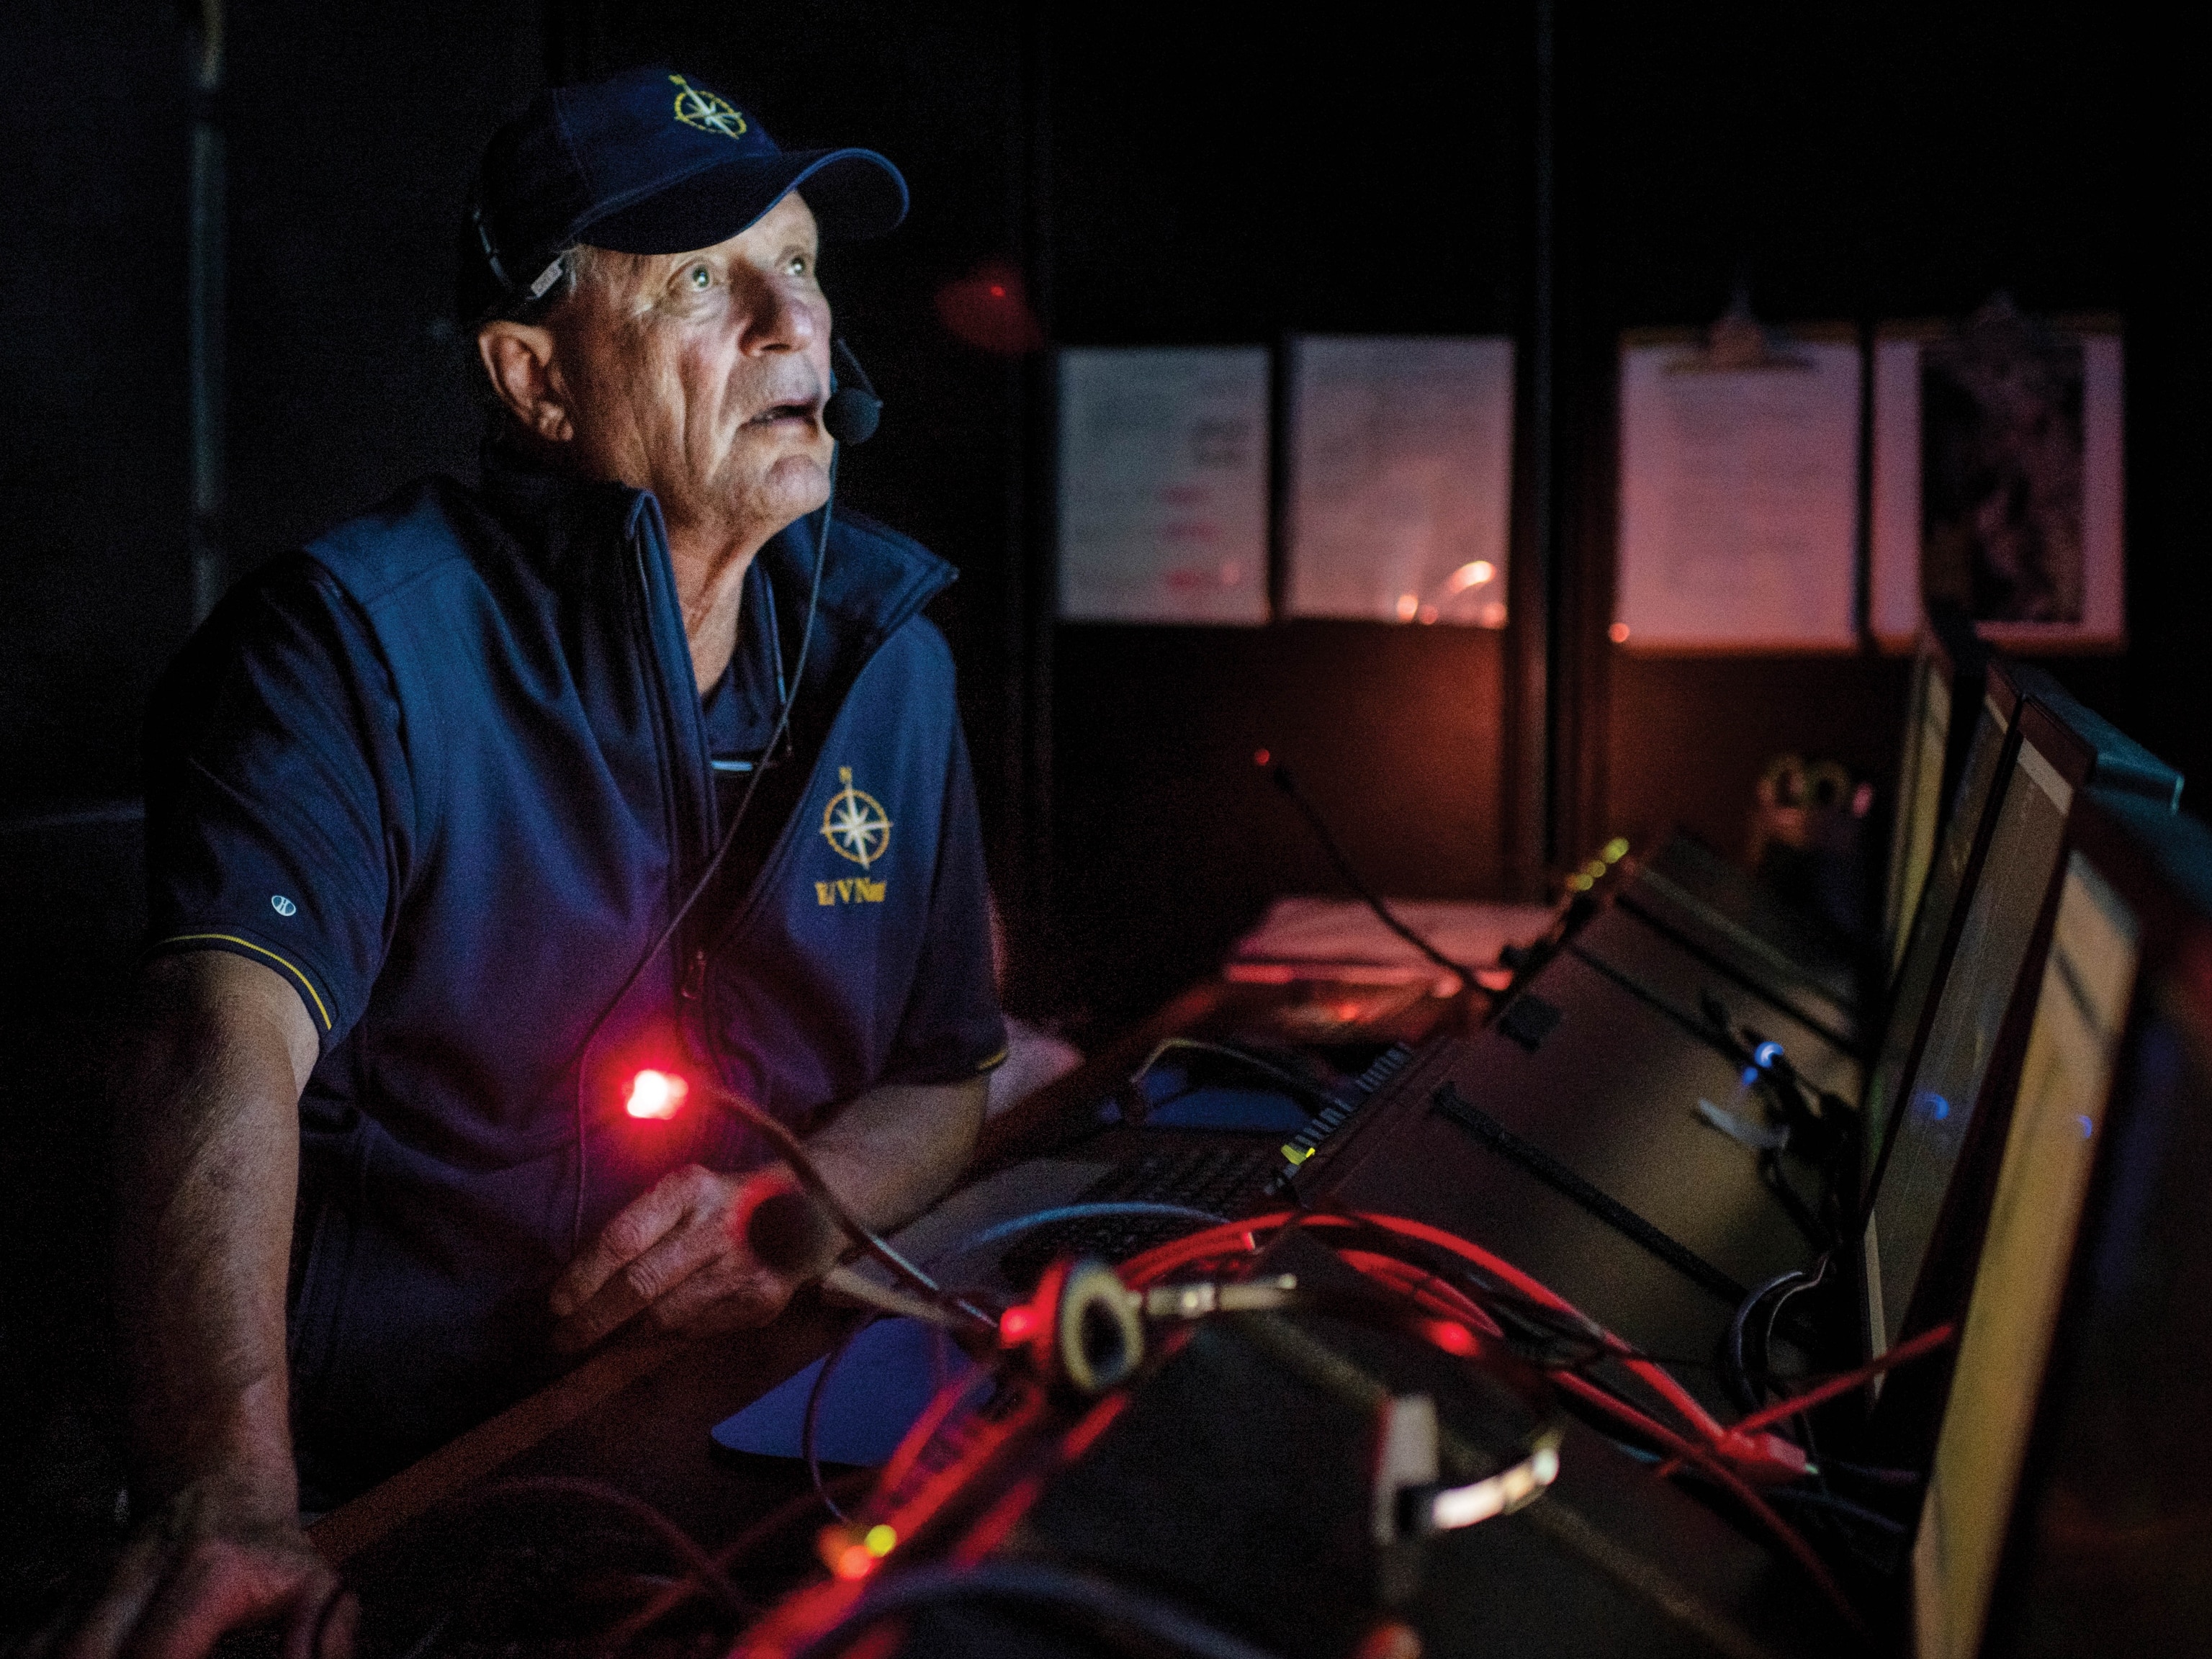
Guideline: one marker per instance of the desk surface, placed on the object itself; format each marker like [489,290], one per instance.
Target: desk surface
[636,1418]
[637,1414]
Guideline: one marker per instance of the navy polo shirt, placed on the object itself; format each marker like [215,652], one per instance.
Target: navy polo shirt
[448,772]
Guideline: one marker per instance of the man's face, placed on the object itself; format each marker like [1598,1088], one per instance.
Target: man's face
[701,376]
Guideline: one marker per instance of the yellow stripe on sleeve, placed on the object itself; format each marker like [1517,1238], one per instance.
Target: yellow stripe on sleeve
[305,984]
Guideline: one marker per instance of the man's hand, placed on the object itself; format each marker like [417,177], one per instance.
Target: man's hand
[211,1059]
[680,1251]
[678,1255]
[216,1559]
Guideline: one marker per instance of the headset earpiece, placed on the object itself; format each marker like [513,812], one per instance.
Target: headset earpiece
[1080,1328]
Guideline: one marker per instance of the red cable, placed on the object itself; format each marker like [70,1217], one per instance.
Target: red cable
[1723,1445]
[1764,1456]
[1423,1287]
[1759,1454]
[1927,1342]
[1784,1533]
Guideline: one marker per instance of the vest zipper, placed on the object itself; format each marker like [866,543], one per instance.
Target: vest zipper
[691,791]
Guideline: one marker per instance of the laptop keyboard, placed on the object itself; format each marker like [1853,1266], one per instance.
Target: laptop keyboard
[1227,1179]
[1230,1178]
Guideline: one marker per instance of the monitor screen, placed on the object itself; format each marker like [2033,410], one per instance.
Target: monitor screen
[1929,932]
[1919,800]
[2079,1013]
[2001,914]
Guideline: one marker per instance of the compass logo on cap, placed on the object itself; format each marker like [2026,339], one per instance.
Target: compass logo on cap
[706,111]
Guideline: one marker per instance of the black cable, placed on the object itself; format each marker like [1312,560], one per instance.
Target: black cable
[1305,1089]
[1736,1369]
[680,1543]
[706,876]
[777,1522]
[857,1232]
[1873,1476]
[809,1424]
[1535,1321]
[1819,1277]
[1280,776]
[1821,1500]
[1114,1612]
[1775,1180]
[422,1644]
[1843,1506]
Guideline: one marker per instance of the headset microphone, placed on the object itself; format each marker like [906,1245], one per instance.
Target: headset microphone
[854,409]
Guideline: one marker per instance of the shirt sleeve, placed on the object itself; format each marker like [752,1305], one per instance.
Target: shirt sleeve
[278,814]
[952,1028]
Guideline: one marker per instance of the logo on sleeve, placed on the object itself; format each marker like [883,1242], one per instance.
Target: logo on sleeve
[857,828]
[280,905]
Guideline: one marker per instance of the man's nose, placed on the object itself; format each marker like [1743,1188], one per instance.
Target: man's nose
[779,319]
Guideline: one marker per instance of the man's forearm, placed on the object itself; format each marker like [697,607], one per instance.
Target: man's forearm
[207,1143]
[899,1148]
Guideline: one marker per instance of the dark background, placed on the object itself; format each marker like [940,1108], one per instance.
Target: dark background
[1154,174]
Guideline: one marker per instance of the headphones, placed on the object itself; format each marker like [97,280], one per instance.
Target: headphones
[1083,1331]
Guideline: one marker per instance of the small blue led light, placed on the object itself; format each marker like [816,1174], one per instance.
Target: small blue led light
[1750,1075]
[2088,1127]
[1933,1105]
[1766,1054]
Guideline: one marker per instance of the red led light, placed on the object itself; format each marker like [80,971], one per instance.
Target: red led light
[1018,1324]
[1261,757]
[1453,1339]
[854,1562]
[656,1095]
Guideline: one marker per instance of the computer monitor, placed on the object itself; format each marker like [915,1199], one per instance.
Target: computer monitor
[1947,673]
[1932,1183]
[2065,1509]
[1935,918]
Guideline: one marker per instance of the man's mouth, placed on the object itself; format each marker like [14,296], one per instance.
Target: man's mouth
[776,412]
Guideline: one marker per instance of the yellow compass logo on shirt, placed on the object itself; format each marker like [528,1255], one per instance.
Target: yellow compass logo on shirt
[706,111]
[854,824]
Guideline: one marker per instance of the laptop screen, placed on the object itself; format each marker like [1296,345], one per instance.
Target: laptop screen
[2079,1013]
[1919,800]
[2001,919]
[1930,931]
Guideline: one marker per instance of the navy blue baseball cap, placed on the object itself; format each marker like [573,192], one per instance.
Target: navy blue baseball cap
[644,161]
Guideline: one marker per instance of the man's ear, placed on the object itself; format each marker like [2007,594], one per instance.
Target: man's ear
[519,358]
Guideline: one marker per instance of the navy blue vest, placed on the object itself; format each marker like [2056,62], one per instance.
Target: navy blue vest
[518,799]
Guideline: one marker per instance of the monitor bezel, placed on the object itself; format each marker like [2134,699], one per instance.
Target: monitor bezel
[2131,844]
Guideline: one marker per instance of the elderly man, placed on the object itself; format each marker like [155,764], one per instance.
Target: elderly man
[633,757]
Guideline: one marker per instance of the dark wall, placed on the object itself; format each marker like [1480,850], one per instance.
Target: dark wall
[92,488]
[350,129]
[1211,184]
[1858,164]
[1156,175]
[353,129]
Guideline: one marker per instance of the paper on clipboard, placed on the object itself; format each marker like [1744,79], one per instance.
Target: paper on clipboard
[1400,478]
[1164,484]
[1997,462]
[1739,498]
